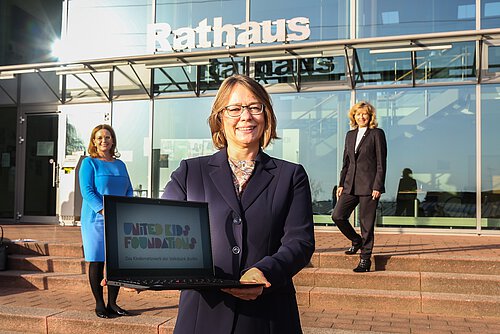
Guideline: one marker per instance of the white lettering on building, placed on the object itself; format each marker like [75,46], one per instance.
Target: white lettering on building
[161,37]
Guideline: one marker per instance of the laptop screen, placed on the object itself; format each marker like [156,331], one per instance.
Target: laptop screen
[152,238]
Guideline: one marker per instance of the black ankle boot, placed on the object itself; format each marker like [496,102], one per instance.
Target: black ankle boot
[352,250]
[363,266]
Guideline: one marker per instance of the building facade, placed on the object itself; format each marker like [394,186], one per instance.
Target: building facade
[151,68]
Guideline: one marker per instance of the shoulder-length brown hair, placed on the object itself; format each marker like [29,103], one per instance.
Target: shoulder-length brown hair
[363,106]
[223,95]
[92,149]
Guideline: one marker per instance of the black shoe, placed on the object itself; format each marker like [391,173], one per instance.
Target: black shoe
[118,311]
[352,250]
[363,266]
[102,314]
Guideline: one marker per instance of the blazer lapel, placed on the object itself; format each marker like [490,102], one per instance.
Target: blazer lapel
[261,177]
[220,173]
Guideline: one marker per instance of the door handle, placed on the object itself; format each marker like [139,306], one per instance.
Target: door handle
[55,173]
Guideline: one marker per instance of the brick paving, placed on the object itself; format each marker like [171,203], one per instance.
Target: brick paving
[314,320]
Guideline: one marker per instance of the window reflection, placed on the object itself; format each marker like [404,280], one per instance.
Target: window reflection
[382,68]
[454,64]
[177,136]
[328,19]
[490,173]
[414,121]
[389,18]
[490,14]
[118,28]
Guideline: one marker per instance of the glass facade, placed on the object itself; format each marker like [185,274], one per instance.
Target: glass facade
[436,95]
[377,18]
[490,159]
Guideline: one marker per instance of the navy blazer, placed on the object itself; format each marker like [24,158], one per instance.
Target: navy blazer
[271,228]
[364,170]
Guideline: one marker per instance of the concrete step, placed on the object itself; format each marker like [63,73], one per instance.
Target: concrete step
[415,263]
[77,319]
[55,321]
[42,280]
[43,248]
[46,263]
[403,281]
[399,301]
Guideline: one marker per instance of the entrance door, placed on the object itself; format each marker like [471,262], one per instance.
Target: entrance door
[40,169]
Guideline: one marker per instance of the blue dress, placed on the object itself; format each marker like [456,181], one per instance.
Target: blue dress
[97,178]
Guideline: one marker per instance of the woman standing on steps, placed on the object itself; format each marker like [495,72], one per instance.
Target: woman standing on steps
[100,174]
[362,180]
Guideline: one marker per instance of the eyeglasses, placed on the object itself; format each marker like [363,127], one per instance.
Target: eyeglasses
[236,110]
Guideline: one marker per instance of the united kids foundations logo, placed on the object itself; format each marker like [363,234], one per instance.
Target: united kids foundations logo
[157,236]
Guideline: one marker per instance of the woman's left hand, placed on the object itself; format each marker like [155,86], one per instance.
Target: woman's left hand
[253,275]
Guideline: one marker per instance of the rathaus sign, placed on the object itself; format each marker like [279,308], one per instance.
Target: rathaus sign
[161,37]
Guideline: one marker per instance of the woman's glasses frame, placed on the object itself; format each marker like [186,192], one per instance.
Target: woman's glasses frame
[235,110]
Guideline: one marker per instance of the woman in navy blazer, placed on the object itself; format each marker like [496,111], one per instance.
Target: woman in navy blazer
[362,180]
[261,218]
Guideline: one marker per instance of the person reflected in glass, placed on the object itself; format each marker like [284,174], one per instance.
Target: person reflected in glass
[407,194]
[261,218]
[362,180]
[102,173]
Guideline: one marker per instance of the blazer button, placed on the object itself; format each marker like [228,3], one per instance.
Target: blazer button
[236,250]
[236,220]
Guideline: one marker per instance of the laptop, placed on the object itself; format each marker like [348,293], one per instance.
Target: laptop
[160,244]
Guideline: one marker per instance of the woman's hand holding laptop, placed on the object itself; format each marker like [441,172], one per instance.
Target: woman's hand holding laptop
[104,283]
[252,275]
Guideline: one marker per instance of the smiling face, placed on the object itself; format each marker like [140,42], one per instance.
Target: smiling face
[103,142]
[362,118]
[243,132]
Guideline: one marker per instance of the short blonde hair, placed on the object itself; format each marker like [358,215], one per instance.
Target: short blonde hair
[221,100]
[92,149]
[363,105]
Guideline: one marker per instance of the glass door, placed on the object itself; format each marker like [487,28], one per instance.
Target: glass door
[40,169]
[7,162]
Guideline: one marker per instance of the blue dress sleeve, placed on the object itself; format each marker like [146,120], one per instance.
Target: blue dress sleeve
[87,185]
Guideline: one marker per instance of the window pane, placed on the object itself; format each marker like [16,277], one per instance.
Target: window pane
[455,64]
[276,71]
[8,145]
[493,59]
[308,128]
[211,76]
[28,30]
[490,174]
[327,19]
[382,68]
[131,123]
[34,89]
[118,28]
[180,131]
[180,14]
[174,79]
[490,14]
[8,91]
[414,121]
[403,17]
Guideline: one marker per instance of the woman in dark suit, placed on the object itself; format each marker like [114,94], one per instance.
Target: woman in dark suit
[362,180]
[261,218]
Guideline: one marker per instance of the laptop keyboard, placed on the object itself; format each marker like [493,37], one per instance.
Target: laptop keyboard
[178,281]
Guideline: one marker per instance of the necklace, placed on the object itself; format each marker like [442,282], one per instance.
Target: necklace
[242,171]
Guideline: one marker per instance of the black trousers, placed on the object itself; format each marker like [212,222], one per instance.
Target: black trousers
[367,215]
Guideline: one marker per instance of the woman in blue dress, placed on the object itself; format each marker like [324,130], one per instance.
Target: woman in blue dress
[100,174]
